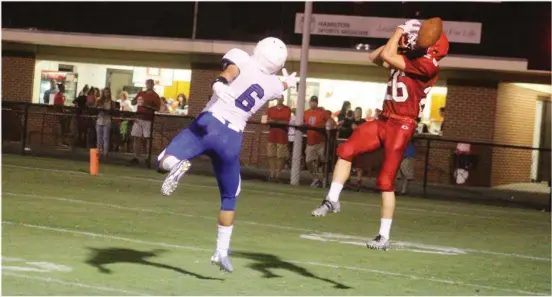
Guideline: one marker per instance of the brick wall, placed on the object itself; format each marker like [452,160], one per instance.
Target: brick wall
[470,112]
[514,125]
[17,76]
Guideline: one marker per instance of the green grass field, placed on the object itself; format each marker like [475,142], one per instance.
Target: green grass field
[67,233]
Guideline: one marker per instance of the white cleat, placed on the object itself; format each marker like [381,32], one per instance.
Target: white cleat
[378,243]
[223,262]
[177,172]
[326,207]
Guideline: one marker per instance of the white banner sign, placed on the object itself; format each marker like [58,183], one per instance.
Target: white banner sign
[376,27]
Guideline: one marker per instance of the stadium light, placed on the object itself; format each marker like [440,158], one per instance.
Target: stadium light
[363,47]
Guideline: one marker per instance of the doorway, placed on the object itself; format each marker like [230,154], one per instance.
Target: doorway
[544,160]
[117,79]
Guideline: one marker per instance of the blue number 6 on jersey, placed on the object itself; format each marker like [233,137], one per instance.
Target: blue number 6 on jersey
[246,100]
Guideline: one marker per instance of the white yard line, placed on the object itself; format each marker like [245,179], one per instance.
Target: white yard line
[69,283]
[248,222]
[452,282]
[304,198]
[90,234]
[430,279]
[151,211]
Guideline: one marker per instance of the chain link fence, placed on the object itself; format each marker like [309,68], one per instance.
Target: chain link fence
[442,168]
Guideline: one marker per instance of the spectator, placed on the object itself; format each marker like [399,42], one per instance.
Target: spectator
[148,102]
[50,93]
[369,114]
[442,114]
[362,161]
[342,114]
[125,106]
[91,97]
[80,105]
[97,93]
[59,98]
[315,117]
[84,90]
[291,136]
[330,123]
[164,108]
[377,113]
[277,149]
[64,120]
[182,101]
[406,169]
[357,118]
[103,123]
[346,125]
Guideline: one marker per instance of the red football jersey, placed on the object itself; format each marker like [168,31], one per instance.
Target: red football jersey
[407,90]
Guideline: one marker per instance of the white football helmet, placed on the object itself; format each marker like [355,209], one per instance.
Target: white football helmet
[271,55]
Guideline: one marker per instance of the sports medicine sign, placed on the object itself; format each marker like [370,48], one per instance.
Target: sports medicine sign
[376,27]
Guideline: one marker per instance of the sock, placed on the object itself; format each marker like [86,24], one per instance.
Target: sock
[335,190]
[223,239]
[169,163]
[385,227]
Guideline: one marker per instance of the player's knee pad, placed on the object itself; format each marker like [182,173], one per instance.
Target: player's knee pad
[346,151]
[385,183]
[228,203]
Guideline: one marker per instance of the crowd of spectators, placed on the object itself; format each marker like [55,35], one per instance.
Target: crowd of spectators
[115,134]
[344,121]
[96,126]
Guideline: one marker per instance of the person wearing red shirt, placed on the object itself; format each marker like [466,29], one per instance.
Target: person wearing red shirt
[277,148]
[59,98]
[148,103]
[413,72]
[315,117]
[64,121]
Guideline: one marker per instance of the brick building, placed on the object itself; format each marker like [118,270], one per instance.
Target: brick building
[488,100]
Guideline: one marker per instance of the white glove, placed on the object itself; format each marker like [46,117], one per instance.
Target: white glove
[290,79]
[224,92]
[411,26]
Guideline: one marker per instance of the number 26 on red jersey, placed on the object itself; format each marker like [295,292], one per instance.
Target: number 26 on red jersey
[397,90]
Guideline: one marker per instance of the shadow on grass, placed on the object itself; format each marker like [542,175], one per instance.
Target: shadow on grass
[102,257]
[266,263]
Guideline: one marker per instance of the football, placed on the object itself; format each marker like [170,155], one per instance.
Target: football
[429,33]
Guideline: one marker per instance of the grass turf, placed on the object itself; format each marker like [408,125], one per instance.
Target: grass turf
[115,234]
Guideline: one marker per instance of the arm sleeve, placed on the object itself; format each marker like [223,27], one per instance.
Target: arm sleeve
[425,66]
[234,56]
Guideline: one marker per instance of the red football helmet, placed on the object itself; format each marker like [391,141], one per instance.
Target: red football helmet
[440,49]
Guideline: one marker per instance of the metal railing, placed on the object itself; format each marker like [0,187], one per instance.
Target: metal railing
[486,172]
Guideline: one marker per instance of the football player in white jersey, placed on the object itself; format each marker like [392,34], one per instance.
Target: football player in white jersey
[245,84]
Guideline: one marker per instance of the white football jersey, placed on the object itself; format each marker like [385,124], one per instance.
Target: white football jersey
[252,88]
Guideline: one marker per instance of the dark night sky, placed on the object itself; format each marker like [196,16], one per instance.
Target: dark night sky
[510,29]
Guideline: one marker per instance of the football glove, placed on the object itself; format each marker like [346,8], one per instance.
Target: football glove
[411,26]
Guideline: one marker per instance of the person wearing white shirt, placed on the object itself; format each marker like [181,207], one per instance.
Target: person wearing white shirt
[125,105]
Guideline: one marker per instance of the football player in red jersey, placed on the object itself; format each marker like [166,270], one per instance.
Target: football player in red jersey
[413,72]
